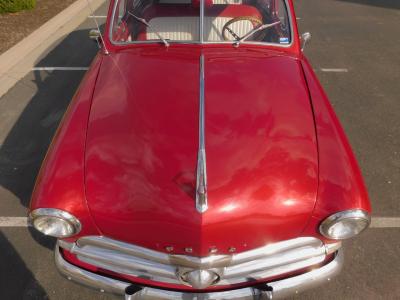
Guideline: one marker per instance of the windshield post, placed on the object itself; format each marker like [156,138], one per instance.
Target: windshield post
[201,21]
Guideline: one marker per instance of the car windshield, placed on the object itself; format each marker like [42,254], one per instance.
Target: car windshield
[200,21]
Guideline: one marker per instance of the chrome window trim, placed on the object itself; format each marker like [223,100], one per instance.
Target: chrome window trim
[290,19]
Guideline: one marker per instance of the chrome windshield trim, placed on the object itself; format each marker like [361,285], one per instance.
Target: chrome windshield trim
[201,176]
[199,42]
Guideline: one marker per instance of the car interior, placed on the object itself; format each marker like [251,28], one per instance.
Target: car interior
[179,20]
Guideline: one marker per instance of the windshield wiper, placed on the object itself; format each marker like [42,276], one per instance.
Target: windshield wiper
[143,21]
[257,29]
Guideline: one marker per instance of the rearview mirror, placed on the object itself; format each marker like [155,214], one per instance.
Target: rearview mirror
[94,35]
[305,38]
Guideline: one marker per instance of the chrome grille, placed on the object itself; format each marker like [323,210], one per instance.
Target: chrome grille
[261,263]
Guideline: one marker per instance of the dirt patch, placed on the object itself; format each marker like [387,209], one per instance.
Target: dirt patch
[15,26]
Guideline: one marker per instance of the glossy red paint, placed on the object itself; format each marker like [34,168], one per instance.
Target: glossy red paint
[124,158]
[341,186]
[142,149]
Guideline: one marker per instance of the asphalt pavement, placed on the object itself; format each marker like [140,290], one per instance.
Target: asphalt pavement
[355,51]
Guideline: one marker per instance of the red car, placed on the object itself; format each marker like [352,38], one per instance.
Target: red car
[200,159]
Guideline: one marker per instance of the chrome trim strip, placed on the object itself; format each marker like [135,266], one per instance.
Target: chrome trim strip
[201,176]
[208,262]
[261,263]
[332,248]
[117,246]
[201,21]
[275,248]
[281,289]
[87,278]
[242,294]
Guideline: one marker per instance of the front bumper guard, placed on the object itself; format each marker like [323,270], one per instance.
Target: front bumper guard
[277,289]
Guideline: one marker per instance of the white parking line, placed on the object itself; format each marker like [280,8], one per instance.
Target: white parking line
[332,70]
[378,222]
[14,222]
[60,69]
[385,222]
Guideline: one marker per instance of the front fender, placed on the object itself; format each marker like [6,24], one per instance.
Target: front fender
[60,182]
[341,186]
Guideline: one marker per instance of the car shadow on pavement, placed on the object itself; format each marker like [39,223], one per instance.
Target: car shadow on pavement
[392,4]
[26,144]
[16,280]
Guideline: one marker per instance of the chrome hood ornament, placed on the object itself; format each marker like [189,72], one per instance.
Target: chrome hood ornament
[201,178]
[200,279]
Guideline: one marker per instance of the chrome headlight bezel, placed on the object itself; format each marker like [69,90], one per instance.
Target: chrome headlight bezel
[357,219]
[60,224]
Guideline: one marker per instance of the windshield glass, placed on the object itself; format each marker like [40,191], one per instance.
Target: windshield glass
[200,21]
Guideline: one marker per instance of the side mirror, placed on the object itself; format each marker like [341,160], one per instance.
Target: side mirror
[305,38]
[94,35]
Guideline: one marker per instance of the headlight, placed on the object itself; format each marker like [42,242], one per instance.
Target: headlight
[344,225]
[54,222]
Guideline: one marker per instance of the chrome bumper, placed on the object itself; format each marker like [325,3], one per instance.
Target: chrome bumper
[280,289]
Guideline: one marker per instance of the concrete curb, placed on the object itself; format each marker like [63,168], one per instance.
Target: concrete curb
[17,61]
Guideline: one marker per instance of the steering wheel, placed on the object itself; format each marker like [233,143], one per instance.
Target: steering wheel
[256,22]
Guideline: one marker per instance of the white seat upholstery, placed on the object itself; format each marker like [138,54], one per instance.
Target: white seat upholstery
[227,1]
[187,28]
[175,1]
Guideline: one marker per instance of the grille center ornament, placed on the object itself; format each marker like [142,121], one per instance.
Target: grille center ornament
[200,279]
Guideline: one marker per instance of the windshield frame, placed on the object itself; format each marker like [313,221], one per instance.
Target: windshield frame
[201,31]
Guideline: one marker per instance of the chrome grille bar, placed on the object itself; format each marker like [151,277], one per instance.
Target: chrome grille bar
[125,264]
[92,242]
[261,263]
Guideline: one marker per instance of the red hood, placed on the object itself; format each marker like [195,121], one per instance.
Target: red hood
[142,144]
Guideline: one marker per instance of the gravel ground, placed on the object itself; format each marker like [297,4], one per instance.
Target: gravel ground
[16,26]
